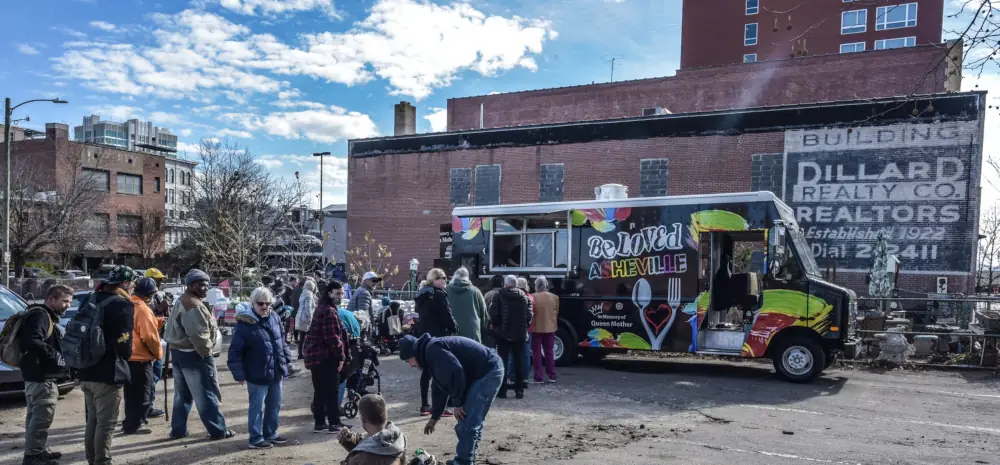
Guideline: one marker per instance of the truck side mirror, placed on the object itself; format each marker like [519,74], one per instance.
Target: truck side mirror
[776,254]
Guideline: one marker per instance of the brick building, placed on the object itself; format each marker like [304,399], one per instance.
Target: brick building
[130,181]
[722,32]
[403,189]
[917,70]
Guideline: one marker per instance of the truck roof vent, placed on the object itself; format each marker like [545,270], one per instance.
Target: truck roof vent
[611,192]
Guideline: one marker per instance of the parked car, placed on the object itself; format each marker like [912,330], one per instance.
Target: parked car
[103,272]
[70,274]
[11,382]
[36,273]
[81,296]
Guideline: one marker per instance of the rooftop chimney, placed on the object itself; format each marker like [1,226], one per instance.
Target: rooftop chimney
[406,119]
[56,131]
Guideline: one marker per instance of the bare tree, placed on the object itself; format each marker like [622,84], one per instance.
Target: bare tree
[369,256]
[52,212]
[239,206]
[988,258]
[145,230]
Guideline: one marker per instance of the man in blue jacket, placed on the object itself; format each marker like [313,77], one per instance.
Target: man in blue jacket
[467,372]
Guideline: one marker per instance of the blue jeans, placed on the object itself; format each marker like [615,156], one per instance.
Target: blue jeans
[340,393]
[478,400]
[527,360]
[195,381]
[265,404]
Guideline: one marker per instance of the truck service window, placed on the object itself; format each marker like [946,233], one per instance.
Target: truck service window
[540,242]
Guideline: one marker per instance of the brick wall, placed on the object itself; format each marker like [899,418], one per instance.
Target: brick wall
[886,73]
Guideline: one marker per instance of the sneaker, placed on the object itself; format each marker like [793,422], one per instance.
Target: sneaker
[155,413]
[320,428]
[447,414]
[519,394]
[228,434]
[261,445]
[335,429]
[141,430]
[52,454]
[278,440]
[39,459]
[552,381]
[539,381]
[425,410]
[174,438]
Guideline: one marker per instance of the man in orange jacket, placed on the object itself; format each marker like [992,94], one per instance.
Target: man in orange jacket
[146,349]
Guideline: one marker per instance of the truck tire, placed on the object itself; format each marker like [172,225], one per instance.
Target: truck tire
[565,348]
[799,359]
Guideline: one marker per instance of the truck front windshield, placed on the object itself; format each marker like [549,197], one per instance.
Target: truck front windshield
[804,252]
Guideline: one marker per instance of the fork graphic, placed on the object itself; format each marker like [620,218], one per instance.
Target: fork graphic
[657,331]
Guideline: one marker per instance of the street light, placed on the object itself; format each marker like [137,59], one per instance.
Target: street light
[322,214]
[7,111]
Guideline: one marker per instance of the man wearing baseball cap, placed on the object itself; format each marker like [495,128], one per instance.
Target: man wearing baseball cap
[361,301]
[102,383]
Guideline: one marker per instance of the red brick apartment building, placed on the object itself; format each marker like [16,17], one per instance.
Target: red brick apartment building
[723,32]
[131,180]
[730,129]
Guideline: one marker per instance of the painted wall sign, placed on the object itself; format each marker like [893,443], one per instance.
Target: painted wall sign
[916,182]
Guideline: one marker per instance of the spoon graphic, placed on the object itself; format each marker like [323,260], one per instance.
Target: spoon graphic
[642,295]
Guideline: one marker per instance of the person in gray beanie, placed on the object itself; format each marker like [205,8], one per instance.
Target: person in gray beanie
[191,332]
[468,373]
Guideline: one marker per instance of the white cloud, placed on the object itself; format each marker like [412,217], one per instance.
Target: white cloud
[185,147]
[27,49]
[277,7]
[270,164]
[104,26]
[184,132]
[334,173]
[234,133]
[415,45]
[70,32]
[116,112]
[438,119]
[160,117]
[325,126]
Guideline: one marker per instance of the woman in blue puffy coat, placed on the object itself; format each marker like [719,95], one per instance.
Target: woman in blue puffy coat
[259,358]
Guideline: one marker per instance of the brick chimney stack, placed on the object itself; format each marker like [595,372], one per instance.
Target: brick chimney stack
[56,131]
[406,119]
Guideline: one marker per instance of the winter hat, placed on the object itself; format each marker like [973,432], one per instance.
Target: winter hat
[407,347]
[194,276]
[120,274]
[145,287]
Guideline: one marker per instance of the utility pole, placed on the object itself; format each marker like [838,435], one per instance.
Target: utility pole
[612,59]
[7,111]
[322,214]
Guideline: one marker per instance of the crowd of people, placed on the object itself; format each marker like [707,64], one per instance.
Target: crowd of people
[466,344]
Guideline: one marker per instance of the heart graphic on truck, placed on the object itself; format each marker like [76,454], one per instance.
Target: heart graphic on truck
[657,321]
[658,317]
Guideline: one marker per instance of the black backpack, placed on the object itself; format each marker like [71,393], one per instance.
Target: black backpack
[83,344]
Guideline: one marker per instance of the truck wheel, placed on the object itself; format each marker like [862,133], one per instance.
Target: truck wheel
[799,359]
[565,349]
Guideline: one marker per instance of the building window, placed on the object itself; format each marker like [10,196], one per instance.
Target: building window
[901,42]
[852,47]
[750,58]
[130,184]
[753,6]
[156,184]
[99,180]
[854,22]
[750,34]
[98,223]
[128,224]
[171,177]
[896,16]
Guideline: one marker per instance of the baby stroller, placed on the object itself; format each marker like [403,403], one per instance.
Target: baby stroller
[390,329]
[365,376]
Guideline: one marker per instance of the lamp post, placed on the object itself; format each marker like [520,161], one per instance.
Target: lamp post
[7,111]
[322,214]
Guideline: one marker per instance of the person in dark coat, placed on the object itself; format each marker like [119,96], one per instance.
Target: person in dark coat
[41,364]
[464,371]
[510,316]
[102,383]
[434,318]
[259,357]
[496,283]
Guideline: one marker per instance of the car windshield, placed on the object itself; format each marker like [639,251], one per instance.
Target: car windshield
[10,303]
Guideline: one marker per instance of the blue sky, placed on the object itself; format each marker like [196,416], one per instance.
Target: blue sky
[286,78]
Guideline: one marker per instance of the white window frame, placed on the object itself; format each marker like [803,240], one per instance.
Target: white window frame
[749,58]
[747,41]
[752,10]
[910,41]
[863,25]
[855,47]
[882,12]
[523,232]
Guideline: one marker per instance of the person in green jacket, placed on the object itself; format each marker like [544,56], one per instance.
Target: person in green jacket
[468,306]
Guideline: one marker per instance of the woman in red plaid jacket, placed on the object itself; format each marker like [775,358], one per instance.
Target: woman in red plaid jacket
[326,350]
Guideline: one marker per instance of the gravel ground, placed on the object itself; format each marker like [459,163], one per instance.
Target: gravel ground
[631,411]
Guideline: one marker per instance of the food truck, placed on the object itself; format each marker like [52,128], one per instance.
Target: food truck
[723,274]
